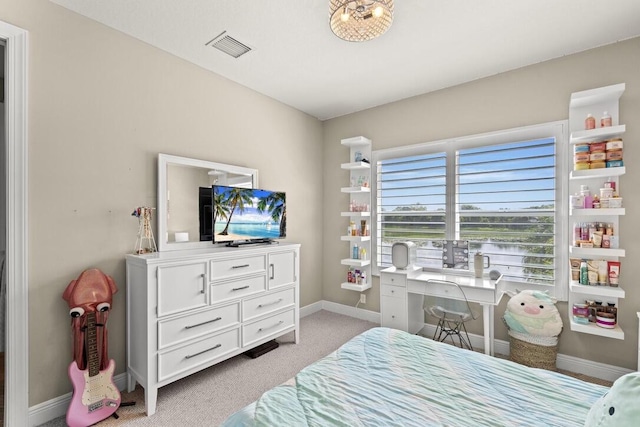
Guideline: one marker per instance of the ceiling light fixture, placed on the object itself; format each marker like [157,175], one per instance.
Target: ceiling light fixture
[360,20]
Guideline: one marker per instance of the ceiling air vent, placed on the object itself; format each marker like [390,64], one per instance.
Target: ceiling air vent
[229,45]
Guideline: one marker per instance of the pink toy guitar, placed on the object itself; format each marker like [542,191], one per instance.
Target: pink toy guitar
[95,397]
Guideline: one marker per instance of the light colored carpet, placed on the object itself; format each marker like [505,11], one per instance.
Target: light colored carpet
[208,397]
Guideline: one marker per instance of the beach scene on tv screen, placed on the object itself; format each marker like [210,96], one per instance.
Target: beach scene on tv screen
[248,214]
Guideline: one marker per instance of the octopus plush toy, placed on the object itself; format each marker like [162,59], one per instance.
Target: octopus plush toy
[619,406]
[533,313]
[95,397]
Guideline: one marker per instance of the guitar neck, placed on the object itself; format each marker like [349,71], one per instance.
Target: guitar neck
[93,361]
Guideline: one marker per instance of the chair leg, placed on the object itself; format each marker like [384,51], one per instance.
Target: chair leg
[468,341]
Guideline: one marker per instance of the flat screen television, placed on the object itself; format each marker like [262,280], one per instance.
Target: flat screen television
[248,215]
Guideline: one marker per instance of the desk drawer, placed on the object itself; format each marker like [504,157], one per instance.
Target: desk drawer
[180,329]
[238,288]
[477,295]
[228,268]
[265,304]
[266,327]
[393,279]
[393,291]
[176,361]
[393,312]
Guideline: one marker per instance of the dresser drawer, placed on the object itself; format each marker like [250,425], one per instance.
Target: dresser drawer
[232,267]
[393,291]
[234,289]
[393,279]
[180,329]
[174,362]
[261,329]
[265,304]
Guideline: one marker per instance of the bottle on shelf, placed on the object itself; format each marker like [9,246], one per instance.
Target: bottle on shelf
[584,274]
[605,121]
[590,122]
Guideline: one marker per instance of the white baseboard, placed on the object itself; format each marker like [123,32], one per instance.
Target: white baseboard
[57,407]
[350,311]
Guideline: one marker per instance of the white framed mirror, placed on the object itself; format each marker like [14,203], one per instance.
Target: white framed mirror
[181,208]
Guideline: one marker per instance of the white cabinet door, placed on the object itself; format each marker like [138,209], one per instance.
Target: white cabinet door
[181,287]
[282,269]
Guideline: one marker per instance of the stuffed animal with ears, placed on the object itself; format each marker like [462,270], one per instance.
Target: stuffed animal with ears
[92,291]
[619,406]
[534,313]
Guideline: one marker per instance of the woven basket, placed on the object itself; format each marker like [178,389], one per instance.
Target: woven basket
[533,355]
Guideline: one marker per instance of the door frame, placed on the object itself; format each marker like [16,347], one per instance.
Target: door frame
[16,407]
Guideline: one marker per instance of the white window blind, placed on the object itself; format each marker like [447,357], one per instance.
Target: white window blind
[500,192]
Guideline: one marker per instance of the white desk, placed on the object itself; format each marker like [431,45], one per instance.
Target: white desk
[402,294]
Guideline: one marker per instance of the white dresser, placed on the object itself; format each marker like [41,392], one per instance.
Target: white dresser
[188,310]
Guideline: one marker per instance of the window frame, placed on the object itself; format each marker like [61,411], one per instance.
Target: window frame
[557,129]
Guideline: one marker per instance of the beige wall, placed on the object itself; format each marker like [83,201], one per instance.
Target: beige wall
[102,105]
[535,94]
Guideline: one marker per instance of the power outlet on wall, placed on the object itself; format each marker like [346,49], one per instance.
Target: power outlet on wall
[363,299]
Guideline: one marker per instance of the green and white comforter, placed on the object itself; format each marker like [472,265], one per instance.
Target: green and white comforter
[386,377]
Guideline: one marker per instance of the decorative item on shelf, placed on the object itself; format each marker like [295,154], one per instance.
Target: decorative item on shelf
[145,243]
[605,121]
[360,20]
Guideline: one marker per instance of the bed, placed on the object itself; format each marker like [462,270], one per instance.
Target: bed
[386,377]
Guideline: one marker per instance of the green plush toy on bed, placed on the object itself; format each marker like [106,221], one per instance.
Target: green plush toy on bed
[619,406]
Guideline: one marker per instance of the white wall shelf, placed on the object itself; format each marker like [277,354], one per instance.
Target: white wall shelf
[593,329]
[356,262]
[358,239]
[596,252]
[356,214]
[355,190]
[598,212]
[356,287]
[597,134]
[598,173]
[601,291]
[595,102]
[356,166]
[359,213]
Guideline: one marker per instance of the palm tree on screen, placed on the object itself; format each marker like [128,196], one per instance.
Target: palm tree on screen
[274,203]
[237,198]
[220,208]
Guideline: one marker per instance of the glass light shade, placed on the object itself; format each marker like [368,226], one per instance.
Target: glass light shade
[360,20]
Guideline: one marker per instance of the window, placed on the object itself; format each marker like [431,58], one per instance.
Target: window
[501,191]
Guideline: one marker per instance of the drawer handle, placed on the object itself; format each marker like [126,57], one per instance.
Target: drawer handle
[272,326]
[189,356]
[269,303]
[204,283]
[203,323]
[240,288]
[273,272]
[240,266]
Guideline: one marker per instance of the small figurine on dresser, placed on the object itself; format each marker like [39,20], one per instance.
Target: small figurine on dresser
[145,243]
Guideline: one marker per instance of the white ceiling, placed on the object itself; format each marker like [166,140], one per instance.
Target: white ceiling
[431,45]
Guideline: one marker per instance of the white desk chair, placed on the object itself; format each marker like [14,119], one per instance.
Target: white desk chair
[452,313]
